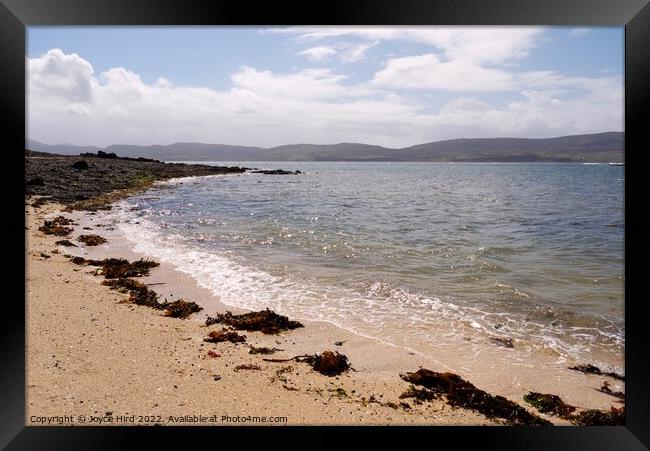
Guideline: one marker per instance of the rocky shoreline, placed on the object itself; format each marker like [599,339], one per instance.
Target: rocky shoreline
[92,181]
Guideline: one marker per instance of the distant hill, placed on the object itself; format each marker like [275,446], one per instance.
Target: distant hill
[598,147]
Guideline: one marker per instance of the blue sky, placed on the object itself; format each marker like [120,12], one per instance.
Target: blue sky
[392,86]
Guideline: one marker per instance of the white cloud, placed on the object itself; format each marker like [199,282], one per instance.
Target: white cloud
[318,53]
[57,74]
[478,44]
[579,32]
[353,53]
[429,72]
[67,102]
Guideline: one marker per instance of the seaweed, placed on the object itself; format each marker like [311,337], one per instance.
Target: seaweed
[461,393]
[117,268]
[421,394]
[328,363]
[219,336]
[505,342]
[592,417]
[265,321]
[78,260]
[341,393]
[145,296]
[66,243]
[263,350]
[608,391]
[181,308]
[247,366]
[591,369]
[57,226]
[280,372]
[92,240]
[550,404]
[124,284]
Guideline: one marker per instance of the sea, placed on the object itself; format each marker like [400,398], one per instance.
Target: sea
[415,255]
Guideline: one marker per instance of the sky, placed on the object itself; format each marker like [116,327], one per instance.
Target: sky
[260,86]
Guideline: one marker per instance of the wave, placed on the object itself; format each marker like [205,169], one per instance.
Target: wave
[374,309]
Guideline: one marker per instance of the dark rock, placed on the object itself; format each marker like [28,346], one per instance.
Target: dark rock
[275,172]
[81,164]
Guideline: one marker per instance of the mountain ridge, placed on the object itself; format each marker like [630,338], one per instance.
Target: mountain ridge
[596,147]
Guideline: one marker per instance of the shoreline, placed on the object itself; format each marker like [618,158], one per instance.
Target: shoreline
[169,349]
[377,364]
[89,352]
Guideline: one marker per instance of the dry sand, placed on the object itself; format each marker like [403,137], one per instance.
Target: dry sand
[90,354]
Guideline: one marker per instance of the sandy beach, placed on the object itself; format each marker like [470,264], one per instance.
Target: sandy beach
[90,354]
[95,357]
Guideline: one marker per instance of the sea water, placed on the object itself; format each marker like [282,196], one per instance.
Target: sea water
[417,255]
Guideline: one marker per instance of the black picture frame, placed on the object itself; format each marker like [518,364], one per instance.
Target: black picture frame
[15,15]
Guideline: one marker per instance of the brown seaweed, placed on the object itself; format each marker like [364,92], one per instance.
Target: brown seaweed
[57,226]
[247,366]
[421,394]
[591,369]
[263,350]
[66,243]
[461,393]
[505,342]
[181,308]
[117,268]
[92,240]
[219,336]
[550,404]
[328,363]
[123,284]
[592,417]
[145,296]
[265,321]
[608,391]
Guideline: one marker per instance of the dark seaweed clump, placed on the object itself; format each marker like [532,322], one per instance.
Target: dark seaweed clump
[57,226]
[181,308]
[419,394]
[115,268]
[591,369]
[608,391]
[505,342]
[219,336]
[92,240]
[461,393]
[550,404]
[265,321]
[263,350]
[328,363]
[66,243]
[553,404]
[139,294]
[247,366]
[615,417]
